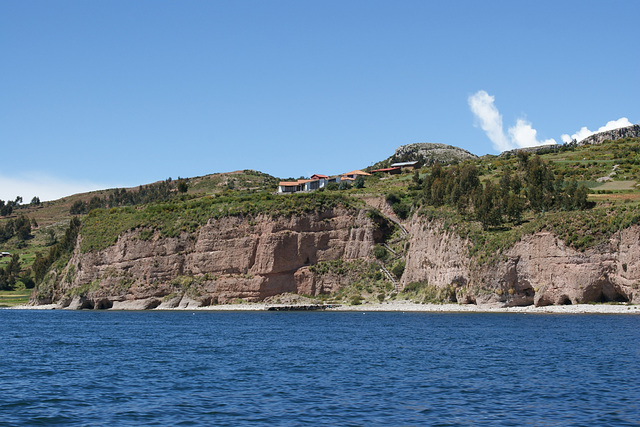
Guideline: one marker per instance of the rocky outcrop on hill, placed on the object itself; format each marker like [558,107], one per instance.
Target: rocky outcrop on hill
[226,259]
[427,154]
[540,269]
[612,135]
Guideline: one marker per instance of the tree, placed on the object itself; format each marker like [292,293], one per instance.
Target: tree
[488,206]
[580,201]
[96,202]
[35,201]
[6,208]
[10,273]
[51,237]
[183,186]
[4,280]
[514,207]
[417,181]
[539,178]
[359,182]
[22,226]
[27,280]
[437,192]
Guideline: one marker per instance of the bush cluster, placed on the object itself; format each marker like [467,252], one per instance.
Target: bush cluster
[533,186]
[62,249]
[157,192]
[20,227]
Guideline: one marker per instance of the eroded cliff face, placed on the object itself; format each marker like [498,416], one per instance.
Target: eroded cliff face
[226,259]
[540,269]
[256,258]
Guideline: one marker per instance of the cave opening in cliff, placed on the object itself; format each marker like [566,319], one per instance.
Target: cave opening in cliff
[610,294]
[104,305]
[565,300]
[87,305]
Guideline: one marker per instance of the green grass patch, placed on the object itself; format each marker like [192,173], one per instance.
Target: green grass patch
[616,185]
[13,298]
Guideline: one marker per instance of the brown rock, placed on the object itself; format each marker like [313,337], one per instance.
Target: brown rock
[226,259]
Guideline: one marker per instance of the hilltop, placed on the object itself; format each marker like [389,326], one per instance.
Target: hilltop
[426,154]
[612,135]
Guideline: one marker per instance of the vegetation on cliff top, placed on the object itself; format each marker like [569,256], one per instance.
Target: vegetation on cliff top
[570,191]
[102,227]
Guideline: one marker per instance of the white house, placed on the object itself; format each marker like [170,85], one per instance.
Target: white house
[316,182]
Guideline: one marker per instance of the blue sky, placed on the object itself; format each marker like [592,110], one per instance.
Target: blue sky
[100,94]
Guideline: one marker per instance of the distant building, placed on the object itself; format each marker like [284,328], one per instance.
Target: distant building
[353,175]
[288,187]
[406,165]
[4,254]
[316,182]
[389,171]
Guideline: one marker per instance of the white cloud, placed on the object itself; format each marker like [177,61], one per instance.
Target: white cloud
[526,136]
[43,186]
[622,122]
[521,135]
[482,106]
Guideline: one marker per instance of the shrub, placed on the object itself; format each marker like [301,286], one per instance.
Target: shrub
[344,185]
[401,209]
[355,300]
[380,252]
[414,287]
[398,269]
[332,186]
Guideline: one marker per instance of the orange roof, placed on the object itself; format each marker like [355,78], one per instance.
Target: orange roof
[386,169]
[318,176]
[356,172]
[298,182]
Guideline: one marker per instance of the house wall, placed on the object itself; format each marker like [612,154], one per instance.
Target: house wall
[286,189]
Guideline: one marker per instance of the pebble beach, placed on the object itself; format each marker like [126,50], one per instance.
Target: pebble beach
[405,306]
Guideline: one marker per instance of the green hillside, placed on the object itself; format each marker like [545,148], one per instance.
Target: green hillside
[581,193]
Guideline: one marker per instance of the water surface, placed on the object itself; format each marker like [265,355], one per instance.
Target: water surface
[297,368]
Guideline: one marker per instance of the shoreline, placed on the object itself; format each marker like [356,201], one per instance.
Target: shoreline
[394,306]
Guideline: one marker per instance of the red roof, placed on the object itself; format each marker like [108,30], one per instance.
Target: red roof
[386,169]
[318,176]
[356,172]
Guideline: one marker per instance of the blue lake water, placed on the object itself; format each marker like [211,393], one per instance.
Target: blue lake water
[301,368]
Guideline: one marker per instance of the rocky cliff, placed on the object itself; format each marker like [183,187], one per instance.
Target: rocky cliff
[254,258]
[612,135]
[540,269]
[228,258]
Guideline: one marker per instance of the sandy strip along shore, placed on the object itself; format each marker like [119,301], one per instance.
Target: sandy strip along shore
[406,306]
